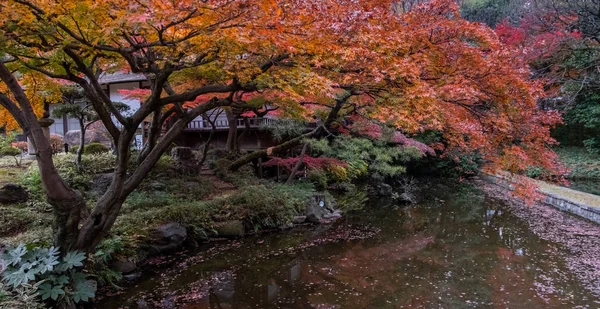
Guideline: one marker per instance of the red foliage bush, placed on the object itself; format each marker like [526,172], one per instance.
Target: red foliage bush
[21,145]
[56,142]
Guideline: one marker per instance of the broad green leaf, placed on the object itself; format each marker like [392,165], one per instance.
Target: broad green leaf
[84,291]
[46,291]
[74,259]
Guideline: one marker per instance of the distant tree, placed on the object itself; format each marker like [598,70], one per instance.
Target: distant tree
[560,40]
[78,107]
[492,12]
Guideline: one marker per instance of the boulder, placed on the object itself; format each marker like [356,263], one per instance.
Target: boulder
[124,266]
[299,219]
[230,229]
[318,210]
[72,137]
[191,186]
[168,237]
[407,197]
[12,193]
[286,226]
[184,161]
[182,153]
[157,186]
[381,189]
[100,183]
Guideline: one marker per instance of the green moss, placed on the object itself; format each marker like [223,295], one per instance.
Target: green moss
[19,218]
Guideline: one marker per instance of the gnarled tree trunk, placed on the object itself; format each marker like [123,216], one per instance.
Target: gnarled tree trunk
[68,204]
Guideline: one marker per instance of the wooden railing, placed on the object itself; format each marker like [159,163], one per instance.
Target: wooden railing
[204,125]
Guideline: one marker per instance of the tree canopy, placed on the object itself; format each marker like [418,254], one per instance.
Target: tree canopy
[414,70]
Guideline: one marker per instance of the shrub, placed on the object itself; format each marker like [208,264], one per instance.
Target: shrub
[146,200]
[592,145]
[265,206]
[57,280]
[365,156]
[20,145]
[10,151]
[56,142]
[78,178]
[95,148]
[534,172]
[318,177]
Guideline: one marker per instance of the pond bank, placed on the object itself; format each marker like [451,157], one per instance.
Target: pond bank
[579,236]
[575,202]
[457,247]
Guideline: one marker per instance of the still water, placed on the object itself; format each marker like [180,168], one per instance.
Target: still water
[455,249]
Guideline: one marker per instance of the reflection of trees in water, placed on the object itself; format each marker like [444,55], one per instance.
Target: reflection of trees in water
[440,253]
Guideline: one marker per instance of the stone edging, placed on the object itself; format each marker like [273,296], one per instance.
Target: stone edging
[562,203]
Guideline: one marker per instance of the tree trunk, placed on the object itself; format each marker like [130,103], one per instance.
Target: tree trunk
[106,210]
[207,143]
[298,164]
[264,153]
[81,143]
[232,145]
[68,204]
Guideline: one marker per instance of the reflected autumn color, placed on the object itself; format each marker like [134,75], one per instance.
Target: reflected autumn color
[455,249]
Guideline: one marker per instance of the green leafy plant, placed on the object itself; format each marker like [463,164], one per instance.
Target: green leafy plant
[78,178]
[365,156]
[95,148]
[22,297]
[56,279]
[11,152]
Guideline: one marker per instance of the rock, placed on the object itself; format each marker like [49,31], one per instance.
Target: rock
[12,193]
[185,161]
[299,219]
[182,153]
[320,211]
[100,183]
[381,189]
[124,266]
[91,136]
[230,229]
[168,237]
[286,226]
[132,276]
[334,215]
[157,186]
[407,197]
[317,209]
[191,185]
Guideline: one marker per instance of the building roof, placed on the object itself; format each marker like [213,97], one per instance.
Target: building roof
[120,77]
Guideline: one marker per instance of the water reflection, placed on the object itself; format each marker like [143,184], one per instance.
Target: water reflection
[454,250]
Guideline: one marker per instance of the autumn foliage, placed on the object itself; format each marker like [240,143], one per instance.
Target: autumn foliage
[423,69]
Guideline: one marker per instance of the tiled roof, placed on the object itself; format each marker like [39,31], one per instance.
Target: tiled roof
[120,77]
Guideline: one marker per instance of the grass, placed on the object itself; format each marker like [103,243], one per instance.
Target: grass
[18,218]
[577,196]
[583,165]
[197,202]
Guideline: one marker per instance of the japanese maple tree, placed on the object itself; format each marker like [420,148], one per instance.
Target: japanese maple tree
[196,56]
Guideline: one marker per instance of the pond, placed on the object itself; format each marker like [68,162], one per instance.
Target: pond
[454,249]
